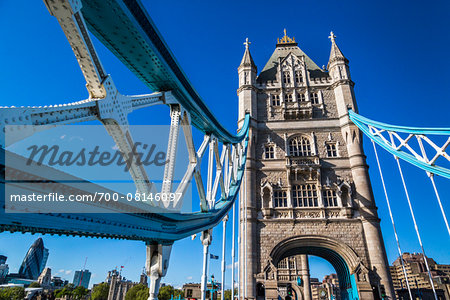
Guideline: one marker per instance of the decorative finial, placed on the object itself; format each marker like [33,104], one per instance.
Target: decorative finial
[332,36]
[285,39]
[247,43]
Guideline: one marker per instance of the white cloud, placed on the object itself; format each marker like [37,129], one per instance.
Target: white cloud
[68,272]
[62,137]
[189,278]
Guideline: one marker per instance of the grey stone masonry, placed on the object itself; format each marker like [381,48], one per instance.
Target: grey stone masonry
[306,189]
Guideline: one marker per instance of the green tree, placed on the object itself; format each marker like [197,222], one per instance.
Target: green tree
[12,293]
[228,294]
[178,293]
[166,292]
[65,291]
[100,291]
[137,292]
[34,285]
[80,292]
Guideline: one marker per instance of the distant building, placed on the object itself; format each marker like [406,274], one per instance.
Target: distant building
[192,291]
[57,282]
[4,269]
[418,278]
[34,262]
[45,279]
[82,278]
[315,285]
[118,285]
[328,289]
[143,278]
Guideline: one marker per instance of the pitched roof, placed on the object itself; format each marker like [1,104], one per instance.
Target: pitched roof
[247,60]
[281,51]
[335,53]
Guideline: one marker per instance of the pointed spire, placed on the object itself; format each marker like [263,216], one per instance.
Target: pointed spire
[335,53]
[247,60]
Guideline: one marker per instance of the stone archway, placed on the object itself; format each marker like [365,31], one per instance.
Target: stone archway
[344,260]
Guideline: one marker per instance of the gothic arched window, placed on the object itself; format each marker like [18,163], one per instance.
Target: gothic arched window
[286,77]
[289,98]
[298,76]
[304,195]
[301,97]
[331,150]
[275,100]
[314,97]
[299,146]
[269,151]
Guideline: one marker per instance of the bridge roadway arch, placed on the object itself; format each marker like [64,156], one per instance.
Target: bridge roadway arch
[351,273]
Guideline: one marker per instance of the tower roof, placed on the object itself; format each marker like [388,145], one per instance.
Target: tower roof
[335,53]
[284,47]
[247,60]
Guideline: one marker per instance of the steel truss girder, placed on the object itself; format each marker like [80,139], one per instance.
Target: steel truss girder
[125,25]
[110,107]
[388,137]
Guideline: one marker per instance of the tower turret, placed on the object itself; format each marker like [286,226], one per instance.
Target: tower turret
[345,100]
[337,64]
[247,80]
[247,93]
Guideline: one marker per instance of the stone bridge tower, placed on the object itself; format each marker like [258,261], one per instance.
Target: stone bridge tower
[307,186]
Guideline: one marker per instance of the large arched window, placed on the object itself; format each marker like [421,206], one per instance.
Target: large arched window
[299,146]
[304,195]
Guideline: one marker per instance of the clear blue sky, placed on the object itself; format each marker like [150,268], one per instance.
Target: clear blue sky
[398,52]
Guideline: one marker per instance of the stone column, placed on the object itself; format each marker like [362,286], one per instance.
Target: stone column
[250,210]
[305,277]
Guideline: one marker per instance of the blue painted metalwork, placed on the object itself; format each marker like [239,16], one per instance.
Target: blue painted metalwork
[125,27]
[353,292]
[364,123]
[163,228]
[404,129]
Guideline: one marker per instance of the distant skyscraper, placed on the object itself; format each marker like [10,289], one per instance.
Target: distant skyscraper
[81,278]
[35,260]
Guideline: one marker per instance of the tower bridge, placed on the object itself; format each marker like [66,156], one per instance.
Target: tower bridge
[297,159]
